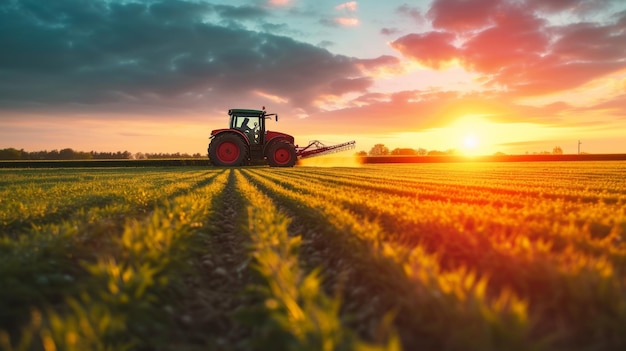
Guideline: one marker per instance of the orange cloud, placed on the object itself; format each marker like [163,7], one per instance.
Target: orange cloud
[279,2]
[346,21]
[274,98]
[381,66]
[430,49]
[349,6]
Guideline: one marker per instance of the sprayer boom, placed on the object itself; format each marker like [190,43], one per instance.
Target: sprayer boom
[316,148]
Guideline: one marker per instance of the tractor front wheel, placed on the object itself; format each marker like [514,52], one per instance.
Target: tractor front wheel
[282,154]
[228,150]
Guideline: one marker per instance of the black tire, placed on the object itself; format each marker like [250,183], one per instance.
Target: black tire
[282,154]
[228,150]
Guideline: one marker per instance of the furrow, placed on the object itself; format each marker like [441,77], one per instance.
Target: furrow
[379,277]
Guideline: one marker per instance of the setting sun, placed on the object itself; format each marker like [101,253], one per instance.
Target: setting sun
[470,142]
[472,134]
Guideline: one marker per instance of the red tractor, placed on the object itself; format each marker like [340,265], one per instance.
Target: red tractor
[247,141]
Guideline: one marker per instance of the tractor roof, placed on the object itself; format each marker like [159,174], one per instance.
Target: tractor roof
[245,112]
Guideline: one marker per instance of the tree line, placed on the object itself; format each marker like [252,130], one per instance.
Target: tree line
[70,154]
[382,150]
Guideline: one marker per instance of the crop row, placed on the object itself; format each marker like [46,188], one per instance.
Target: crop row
[384,277]
[82,273]
[299,315]
[548,270]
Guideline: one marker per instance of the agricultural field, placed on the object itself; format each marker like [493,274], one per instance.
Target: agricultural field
[462,256]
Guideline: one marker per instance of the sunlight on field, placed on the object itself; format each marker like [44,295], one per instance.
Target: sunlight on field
[331,161]
[450,256]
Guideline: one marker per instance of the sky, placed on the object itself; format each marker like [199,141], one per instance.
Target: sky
[478,76]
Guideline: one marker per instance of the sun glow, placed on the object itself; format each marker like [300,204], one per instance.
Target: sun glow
[470,142]
[472,135]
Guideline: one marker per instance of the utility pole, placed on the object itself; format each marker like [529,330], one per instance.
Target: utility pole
[579,142]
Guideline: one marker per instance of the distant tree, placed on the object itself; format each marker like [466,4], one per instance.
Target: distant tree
[10,154]
[435,153]
[422,152]
[379,150]
[500,154]
[81,155]
[403,152]
[557,150]
[361,153]
[52,155]
[66,154]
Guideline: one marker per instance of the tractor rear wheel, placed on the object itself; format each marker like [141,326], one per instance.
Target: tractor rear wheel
[282,154]
[228,150]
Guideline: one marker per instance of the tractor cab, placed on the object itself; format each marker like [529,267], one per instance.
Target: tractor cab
[251,123]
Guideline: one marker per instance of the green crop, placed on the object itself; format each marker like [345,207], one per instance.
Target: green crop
[470,256]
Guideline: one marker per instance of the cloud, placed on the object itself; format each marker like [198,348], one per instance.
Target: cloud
[340,22]
[346,21]
[614,107]
[431,49]
[460,15]
[57,54]
[343,85]
[389,31]
[343,21]
[350,6]
[381,65]
[515,39]
[240,12]
[422,110]
[279,2]
[514,48]
[574,6]
[411,12]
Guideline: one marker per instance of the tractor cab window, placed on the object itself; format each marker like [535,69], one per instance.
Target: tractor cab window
[249,126]
[242,123]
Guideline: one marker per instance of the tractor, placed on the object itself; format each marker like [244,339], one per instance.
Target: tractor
[246,141]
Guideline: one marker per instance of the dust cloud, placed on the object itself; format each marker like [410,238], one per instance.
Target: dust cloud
[331,161]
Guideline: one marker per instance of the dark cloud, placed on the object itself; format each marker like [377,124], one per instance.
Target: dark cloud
[460,15]
[389,31]
[411,12]
[241,12]
[84,52]
[174,10]
[590,42]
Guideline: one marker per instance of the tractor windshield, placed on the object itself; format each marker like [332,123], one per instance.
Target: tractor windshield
[242,123]
[248,125]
